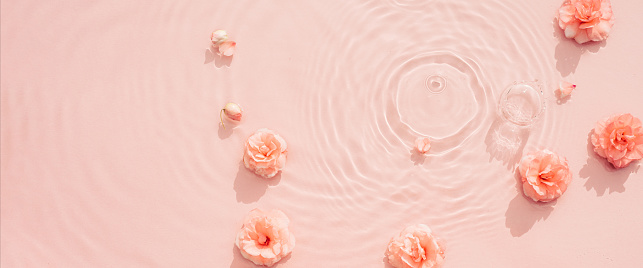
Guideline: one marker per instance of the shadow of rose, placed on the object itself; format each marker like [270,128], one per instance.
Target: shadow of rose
[417,157]
[250,187]
[522,212]
[224,132]
[601,175]
[239,261]
[568,52]
[505,142]
[386,263]
[211,54]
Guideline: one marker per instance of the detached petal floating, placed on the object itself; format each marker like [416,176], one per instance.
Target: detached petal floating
[565,89]
[415,247]
[586,20]
[227,48]
[619,139]
[265,153]
[545,175]
[220,40]
[264,238]
[422,145]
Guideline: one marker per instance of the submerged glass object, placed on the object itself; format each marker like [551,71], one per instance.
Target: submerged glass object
[522,103]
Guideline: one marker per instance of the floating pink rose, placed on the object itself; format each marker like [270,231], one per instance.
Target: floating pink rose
[422,145]
[264,238]
[619,139]
[265,153]
[415,247]
[545,175]
[232,112]
[586,20]
[565,89]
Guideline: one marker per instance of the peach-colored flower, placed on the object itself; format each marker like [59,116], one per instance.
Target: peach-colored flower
[415,247]
[219,36]
[422,145]
[565,89]
[232,112]
[265,153]
[586,20]
[619,139]
[264,238]
[545,175]
[227,48]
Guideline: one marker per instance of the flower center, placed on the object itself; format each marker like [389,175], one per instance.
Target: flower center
[621,137]
[588,10]
[417,252]
[263,240]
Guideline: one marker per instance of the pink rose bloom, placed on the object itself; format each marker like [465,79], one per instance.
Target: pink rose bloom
[422,145]
[545,175]
[415,247]
[265,153]
[619,139]
[264,238]
[586,20]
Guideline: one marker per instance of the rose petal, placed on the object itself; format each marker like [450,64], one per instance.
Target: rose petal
[565,89]
[227,48]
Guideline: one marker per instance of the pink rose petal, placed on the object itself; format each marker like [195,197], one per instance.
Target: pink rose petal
[565,89]
[422,145]
[227,48]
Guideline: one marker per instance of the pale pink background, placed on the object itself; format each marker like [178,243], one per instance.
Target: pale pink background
[112,155]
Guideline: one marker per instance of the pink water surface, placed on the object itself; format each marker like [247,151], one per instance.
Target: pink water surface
[113,156]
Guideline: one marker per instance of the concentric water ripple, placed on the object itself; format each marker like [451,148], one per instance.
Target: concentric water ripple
[132,158]
[440,95]
[384,75]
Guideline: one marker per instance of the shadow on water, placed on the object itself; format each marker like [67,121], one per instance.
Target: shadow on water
[601,175]
[224,132]
[239,261]
[522,213]
[211,54]
[505,142]
[250,187]
[568,52]
[417,157]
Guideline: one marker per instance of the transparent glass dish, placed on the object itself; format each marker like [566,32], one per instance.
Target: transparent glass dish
[522,103]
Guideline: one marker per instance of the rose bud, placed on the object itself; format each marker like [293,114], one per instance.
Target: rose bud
[232,112]
[218,37]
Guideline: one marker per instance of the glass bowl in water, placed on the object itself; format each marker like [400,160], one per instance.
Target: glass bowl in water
[522,103]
